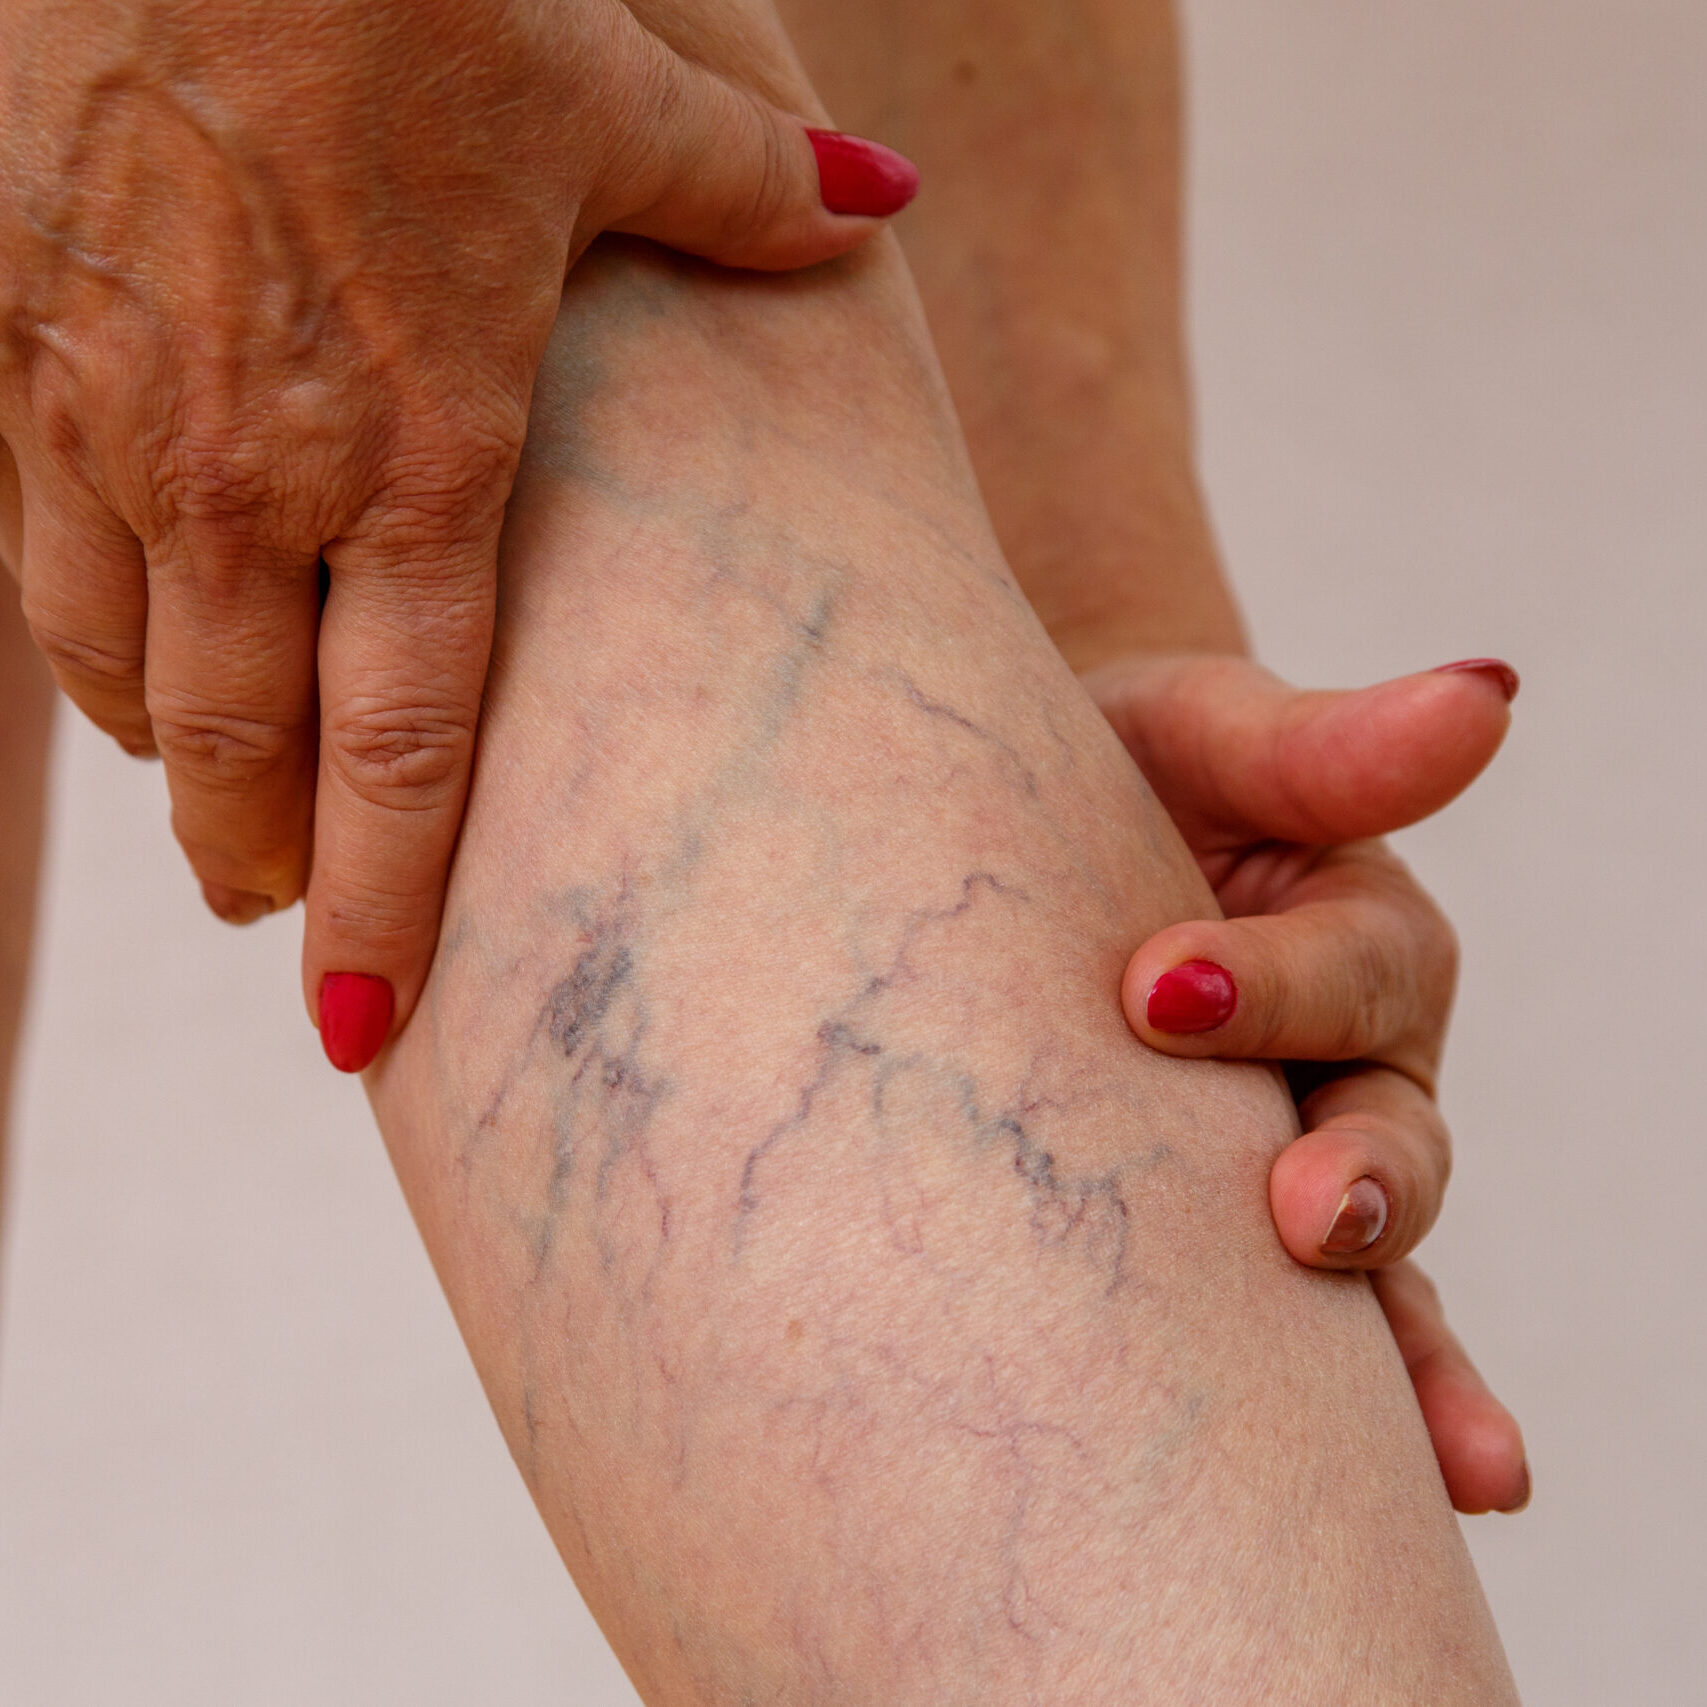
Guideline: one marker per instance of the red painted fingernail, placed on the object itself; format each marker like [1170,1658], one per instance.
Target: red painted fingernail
[1497,670]
[1522,1499]
[1359,1221]
[1197,996]
[355,1018]
[856,176]
[236,906]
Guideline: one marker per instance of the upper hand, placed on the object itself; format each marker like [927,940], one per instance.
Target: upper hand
[1330,953]
[276,282]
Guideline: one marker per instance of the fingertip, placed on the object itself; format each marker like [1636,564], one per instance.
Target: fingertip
[1360,1218]
[1376,759]
[1336,1205]
[1175,992]
[1522,1492]
[1191,998]
[1307,1187]
[744,183]
[356,1012]
[859,177]
[236,906]
[1482,1458]
[1493,672]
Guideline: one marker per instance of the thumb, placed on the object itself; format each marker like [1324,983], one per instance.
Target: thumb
[1232,751]
[706,167]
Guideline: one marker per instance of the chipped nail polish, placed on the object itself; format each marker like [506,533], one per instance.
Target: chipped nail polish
[1359,1221]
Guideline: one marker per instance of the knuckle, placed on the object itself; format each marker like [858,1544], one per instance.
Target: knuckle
[1363,1014]
[224,512]
[411,756]
[224,748]
[214,481]
[1441,949]
[1431,942]
[456,483]
[101,666]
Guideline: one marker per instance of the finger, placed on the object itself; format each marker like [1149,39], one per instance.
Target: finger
[708,168]
[1476,1439]
[1365,1183]
[404,643]
[1360,965]
[85,597]
[11,515]
[231,697]
[1233,752]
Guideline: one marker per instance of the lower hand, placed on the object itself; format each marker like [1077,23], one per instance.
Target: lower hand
[1332,960]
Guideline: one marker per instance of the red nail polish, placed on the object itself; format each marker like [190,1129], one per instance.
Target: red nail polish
[1197,996]
[1359,1221]
[856,176]
[355,1018]
[1497,670]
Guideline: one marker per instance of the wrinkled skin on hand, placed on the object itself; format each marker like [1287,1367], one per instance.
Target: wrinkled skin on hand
[276,280]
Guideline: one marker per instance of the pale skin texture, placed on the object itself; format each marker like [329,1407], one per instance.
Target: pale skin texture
[903,1134]
[274,280]
[873,1318]
[1047,248]
[1110,559]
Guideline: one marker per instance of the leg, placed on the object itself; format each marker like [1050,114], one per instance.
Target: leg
[873,1319]
[1048,257]
[26,710]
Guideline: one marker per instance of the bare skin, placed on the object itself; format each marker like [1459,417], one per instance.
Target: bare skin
[274,280]
[1047,248]
[850,1264]
[1047,252]
[873,1318]
[1189,725]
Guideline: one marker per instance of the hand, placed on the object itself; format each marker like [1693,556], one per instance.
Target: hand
[1330,953]
[276,280]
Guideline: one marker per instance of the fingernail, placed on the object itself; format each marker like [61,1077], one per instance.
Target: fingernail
[856,176]
[1197,996]
[355,1018]
[1522,1499]
[236,906]
[1497,670]
[1359,1221]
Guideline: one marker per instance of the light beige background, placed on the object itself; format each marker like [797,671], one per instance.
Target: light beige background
[1451,313]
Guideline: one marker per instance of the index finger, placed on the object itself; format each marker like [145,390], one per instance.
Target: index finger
[404,643]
